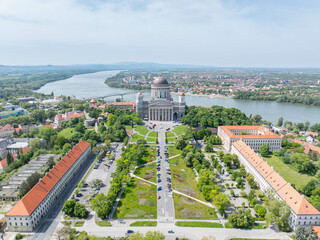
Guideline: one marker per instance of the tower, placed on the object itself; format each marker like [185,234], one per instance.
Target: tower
[139,104]
[182,98]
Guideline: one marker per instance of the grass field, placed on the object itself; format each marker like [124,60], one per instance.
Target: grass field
[66,223]
[186,208]
[138,201]
[144,224]
[199,224]
[153,134]
[147,172]
[179,130]
[151,140]
[135,137]
[173,151]
[171,140]
[289,174]
[129,127]
[78,223]
[255,226]
[183,180]
[103,223]
[170,134]
[67,133]
[143,130]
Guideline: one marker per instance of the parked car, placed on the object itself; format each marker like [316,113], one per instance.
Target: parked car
[159,197]
[79,195]
[170,231]
[130,231]
[159,180]
[159,188]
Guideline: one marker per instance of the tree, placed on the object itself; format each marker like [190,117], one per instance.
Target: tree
[36,144]
[46,133]
[280,122]
[9,158]
[278,212]
[242,219]
[61,141]
[181,143]
[68,207]
[305,234]
[264,150]
[100,205]
[80,211]
[63,232]
[257,118]
[260,210]
[221,201]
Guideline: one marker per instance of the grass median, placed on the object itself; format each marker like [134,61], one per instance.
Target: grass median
[144,224]
[103,223]
[199,224]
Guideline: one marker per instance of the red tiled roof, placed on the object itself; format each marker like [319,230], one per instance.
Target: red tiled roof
[93,100]
[288,194]
[267,134]
[35,196]
[7,127]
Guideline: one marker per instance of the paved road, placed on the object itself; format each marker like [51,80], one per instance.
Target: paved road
[187,232]
[49,223]
[165,206]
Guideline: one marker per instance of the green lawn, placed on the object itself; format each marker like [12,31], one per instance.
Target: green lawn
[170,134]
[173,151]
[183,180]
[139,200]
[143,130]
[144,224]
[179,130]
[288,173]
[78,223]
[103,223]
[67,133]
[255,226]
[151,140]
[66,223]
[135,137]
[199,224]
[186,208]
[153,134]
[129,127]
[171,140]
[147,172]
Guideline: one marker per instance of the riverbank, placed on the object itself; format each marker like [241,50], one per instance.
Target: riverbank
[206,96]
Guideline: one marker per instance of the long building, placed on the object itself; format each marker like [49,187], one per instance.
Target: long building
[253,136]
[27,213]
[302,212]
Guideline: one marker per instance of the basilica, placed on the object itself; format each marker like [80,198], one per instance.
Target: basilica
[160,106]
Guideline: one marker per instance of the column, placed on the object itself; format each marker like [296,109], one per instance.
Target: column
[172,114]
[150,117]
[167,114]
[154,114]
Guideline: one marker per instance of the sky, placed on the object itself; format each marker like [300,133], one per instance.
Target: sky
[222,33]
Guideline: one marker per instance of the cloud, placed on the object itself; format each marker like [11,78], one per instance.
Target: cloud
[212,32]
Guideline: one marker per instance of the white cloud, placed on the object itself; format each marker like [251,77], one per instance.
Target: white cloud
[180,31]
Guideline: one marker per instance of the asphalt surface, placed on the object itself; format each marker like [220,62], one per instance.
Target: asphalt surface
[165,206]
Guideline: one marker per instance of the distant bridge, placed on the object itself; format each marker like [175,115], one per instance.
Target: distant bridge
[114,95]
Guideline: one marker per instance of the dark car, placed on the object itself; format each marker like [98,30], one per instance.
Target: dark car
[79,195]
[77,199]
[129,231]
[159,188]
[170,231]
[159,180]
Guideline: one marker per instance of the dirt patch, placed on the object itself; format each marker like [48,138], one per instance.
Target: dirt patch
[143,183]
[187,201]
[189,213]
[177,175]
[143,201]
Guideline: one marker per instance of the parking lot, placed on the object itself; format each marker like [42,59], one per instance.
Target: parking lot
[99,178]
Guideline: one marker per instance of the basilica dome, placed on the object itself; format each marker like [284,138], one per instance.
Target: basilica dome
[160,81]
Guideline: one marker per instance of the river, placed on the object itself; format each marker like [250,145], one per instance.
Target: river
[92,85]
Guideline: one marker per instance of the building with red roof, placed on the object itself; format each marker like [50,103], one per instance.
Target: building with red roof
[27,213]
[302,212]
[6,131]
[3,162]
[253,136]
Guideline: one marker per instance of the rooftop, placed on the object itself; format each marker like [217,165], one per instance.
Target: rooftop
[35,196]
[264,134]
[295,201]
